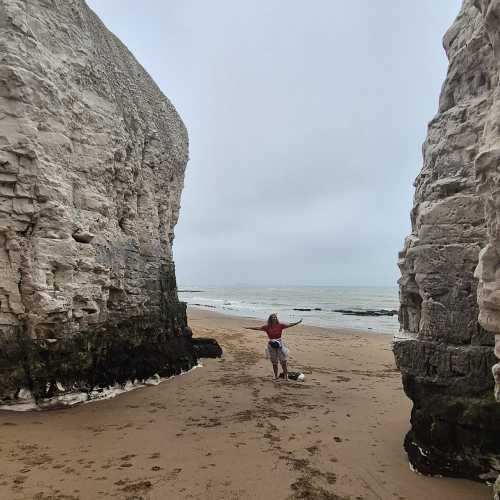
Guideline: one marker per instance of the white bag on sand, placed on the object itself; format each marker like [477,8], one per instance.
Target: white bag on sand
[295,376]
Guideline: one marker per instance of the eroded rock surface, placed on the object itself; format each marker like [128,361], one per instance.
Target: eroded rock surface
[488,175]
[92,160]
[444,353]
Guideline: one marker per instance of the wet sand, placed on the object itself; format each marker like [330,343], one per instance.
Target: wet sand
[228,431]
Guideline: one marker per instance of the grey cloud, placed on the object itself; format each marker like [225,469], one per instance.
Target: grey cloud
[306,121]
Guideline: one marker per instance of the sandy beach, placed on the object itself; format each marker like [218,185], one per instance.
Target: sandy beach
[228,431]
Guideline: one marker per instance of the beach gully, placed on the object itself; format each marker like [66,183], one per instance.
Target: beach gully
[92,164]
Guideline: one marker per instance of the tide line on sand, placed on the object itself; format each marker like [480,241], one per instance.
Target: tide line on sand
[26,402]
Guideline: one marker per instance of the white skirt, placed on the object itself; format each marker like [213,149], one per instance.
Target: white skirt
[276,354]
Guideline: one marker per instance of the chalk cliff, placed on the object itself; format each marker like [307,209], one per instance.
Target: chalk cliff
[444,353]
[488,175]
[92,160]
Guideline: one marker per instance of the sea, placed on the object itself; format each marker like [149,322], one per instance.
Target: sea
[319,305]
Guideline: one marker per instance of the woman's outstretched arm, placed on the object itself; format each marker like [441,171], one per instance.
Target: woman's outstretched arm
[252,328]
[289,325]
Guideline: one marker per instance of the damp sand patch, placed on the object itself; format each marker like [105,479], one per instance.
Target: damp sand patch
[26,402]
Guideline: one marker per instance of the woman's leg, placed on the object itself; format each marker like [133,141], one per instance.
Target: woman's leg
[285,369]
[273,356]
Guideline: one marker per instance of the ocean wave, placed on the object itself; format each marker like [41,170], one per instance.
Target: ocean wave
[348,307]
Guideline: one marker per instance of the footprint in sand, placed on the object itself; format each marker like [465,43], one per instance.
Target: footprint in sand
[175,472]
[18,480]
[137,487]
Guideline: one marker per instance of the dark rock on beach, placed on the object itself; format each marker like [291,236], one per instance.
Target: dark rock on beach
[206,348]
[203,347]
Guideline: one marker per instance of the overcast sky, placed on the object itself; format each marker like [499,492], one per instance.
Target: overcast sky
[306,121]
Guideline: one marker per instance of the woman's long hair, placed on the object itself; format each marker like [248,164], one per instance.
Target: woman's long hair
[272,320]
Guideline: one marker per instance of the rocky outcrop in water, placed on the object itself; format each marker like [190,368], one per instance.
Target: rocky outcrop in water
[92,160]
[367,312]
[444,353]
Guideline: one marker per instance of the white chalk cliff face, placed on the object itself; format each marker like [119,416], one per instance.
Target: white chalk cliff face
[488,175]
[92,160]
[444,353]
[487,171]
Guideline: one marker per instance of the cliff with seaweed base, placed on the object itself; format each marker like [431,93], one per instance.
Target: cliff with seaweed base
[444,353]
[92,160]
[487,173]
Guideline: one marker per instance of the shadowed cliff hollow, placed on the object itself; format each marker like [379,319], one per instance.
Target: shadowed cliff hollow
[444,353]
[92,160]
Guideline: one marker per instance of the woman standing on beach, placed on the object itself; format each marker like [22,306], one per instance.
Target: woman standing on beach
[276,349]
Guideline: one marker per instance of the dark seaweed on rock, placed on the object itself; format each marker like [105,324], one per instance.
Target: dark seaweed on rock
[100,357]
